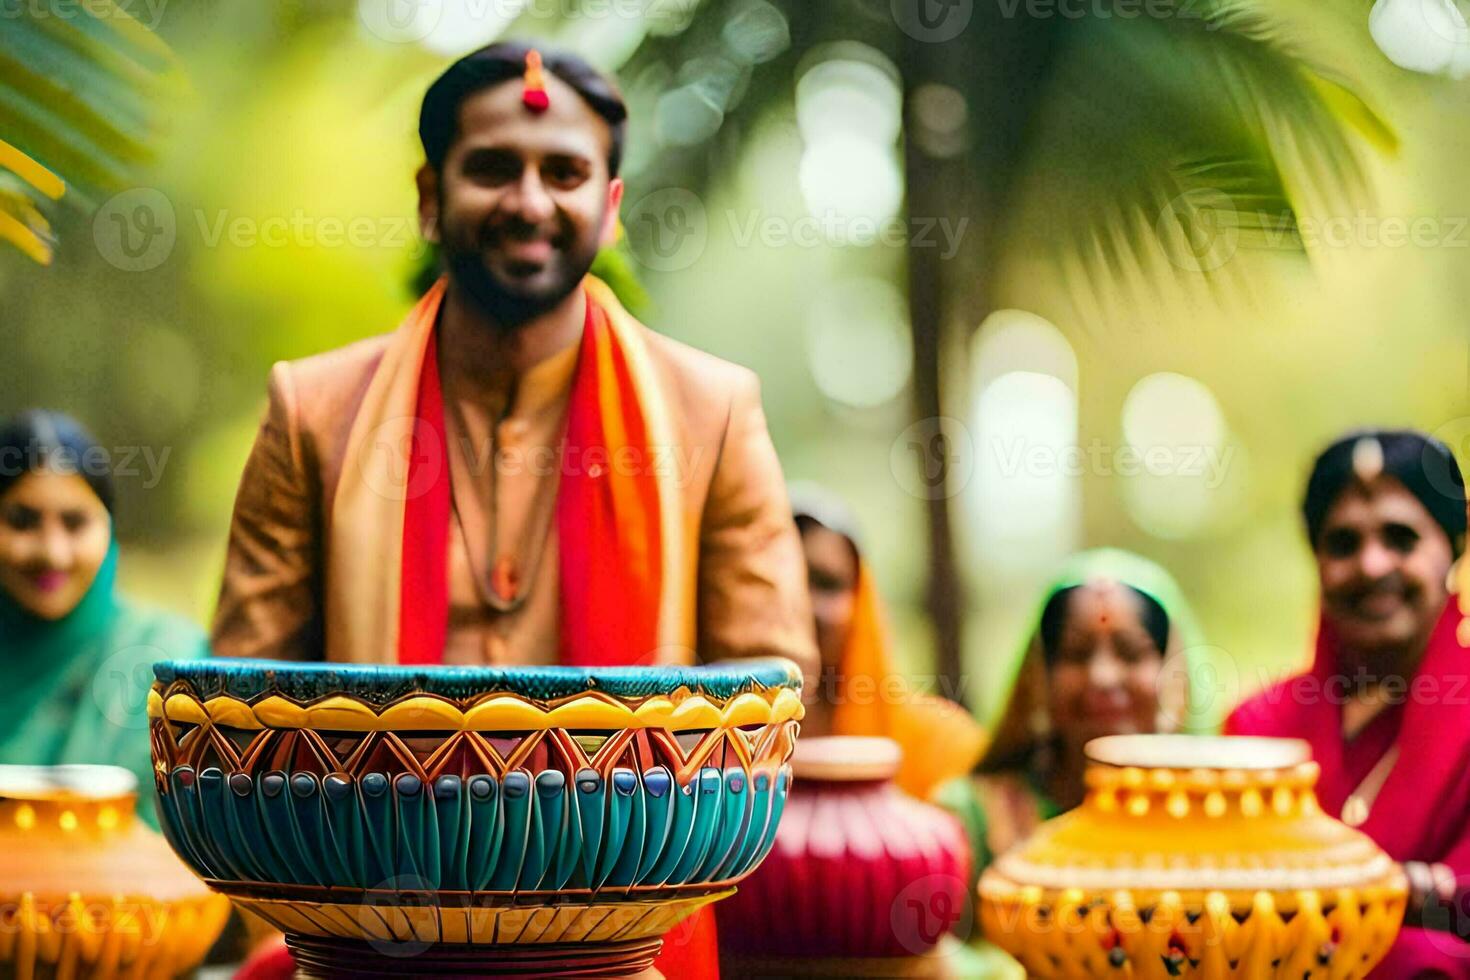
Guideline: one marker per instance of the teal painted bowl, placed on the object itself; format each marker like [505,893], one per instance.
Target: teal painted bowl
[517,805]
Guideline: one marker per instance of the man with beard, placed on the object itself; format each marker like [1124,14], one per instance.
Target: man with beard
[520,473]
[1386,705]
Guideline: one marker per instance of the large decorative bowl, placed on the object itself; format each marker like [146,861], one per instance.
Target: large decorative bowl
[86,890]
[472,820]
[1195,857]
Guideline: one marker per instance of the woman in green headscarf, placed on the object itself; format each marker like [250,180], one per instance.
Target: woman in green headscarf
[1111,650]
[75,657]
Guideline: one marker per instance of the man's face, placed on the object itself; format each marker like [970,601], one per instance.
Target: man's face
[524,200]
[1382,561]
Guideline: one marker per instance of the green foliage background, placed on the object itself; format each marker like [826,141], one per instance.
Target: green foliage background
[292,112]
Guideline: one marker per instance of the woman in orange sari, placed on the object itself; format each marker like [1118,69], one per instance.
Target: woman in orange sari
[859,691]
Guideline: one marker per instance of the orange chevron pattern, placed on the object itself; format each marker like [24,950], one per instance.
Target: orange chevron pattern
[753,748]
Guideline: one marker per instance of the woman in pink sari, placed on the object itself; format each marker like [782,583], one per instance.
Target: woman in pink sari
[1386,704]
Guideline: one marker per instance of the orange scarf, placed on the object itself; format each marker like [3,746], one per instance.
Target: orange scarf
[939,739]
[627,574]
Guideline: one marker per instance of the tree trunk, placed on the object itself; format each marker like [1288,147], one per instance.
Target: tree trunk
[935,188]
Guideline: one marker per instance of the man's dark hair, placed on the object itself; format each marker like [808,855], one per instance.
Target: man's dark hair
[1424,465]
[504,62]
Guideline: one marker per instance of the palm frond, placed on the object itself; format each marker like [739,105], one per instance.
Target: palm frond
[79,110]
[1191,136]
[21,222]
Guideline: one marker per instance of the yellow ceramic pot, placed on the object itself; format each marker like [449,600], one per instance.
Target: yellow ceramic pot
[1195,857]
[88,891]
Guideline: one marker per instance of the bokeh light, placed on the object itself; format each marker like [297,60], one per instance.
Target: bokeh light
[1025,424]
[464,25]
[1426,36]
[1026,502]
[940,114]
[1017,340]
[856,92]
[1173,481]
[847,178]
[687,116]
[857,342]
[849,107]
[757,32]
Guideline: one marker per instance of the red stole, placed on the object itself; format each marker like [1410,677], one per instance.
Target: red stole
[611,513]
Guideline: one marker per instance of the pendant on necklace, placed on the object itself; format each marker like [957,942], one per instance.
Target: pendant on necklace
[505,579]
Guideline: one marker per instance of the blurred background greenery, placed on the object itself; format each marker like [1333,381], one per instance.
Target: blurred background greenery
[1019,276]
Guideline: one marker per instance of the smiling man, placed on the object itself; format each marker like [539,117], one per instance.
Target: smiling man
[1386,705]
[520,473]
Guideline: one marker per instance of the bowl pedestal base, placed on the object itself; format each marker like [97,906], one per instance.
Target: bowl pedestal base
[338,959]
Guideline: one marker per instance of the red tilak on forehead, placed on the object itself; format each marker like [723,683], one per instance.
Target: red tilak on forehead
[534,94]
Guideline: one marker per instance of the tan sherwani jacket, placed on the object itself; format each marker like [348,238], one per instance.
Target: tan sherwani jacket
[751,580]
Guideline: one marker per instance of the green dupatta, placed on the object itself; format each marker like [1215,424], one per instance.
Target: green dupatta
[1003,783]
[75,690]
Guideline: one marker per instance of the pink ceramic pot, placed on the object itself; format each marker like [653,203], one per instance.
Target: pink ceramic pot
[860,871]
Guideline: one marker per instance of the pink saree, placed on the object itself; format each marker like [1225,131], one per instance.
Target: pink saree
[1422,811]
